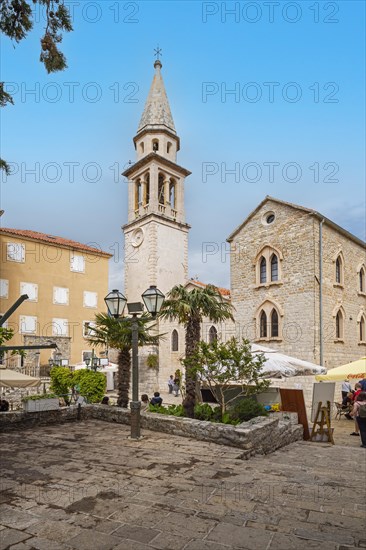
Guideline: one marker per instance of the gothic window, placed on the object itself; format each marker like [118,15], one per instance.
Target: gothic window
[175,340]
[361,280]
[212,335]
[339,270]
[263,270]
[155,145]
[172,198]
[263,324]
[362,329]
[168,147]
[274,324]
[161,189]
[142,147]
[274,268]
[339,325]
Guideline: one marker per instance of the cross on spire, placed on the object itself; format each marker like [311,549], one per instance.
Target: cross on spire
[157,53]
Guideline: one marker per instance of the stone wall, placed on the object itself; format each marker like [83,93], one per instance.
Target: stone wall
[258,436]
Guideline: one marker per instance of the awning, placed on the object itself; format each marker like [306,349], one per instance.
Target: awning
[278,364]
[13,379]
[356,370]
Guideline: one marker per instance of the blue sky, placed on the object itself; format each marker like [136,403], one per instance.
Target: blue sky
[296,73]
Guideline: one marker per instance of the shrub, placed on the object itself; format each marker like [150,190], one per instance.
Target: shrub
[174,410]
[61,380]
[39,396]
[91,384]
[245,409]
[203,411]
[152,361]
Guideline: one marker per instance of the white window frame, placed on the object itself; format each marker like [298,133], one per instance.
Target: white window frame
[74,263]
[60,323]
[23,319]
[25,288]
[19,257]
[4,288]
[55,300]
[85,299]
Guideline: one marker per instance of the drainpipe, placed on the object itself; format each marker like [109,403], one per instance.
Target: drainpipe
[321,292]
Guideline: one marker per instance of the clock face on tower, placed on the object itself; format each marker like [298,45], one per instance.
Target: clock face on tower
[137,237]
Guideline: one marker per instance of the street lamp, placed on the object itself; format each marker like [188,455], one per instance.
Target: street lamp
[116,303]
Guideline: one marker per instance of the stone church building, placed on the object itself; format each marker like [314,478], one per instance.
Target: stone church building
[290,266]
[298,284]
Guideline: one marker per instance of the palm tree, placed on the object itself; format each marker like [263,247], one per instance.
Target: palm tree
[189,307]
[117,333]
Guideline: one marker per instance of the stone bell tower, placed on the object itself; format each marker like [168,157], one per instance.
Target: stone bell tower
[156,234]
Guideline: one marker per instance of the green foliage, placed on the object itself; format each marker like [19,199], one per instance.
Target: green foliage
[61,380]
[6,334]
[92,384]
[38,397]
[152,361]
[245,409]
[221,365]
[173,410]
[203,411]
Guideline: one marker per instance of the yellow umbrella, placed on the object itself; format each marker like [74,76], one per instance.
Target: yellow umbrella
[356,370]
[12,379]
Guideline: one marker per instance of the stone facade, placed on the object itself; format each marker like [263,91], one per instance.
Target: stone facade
[291,233]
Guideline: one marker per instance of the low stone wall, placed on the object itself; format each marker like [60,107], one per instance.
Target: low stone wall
[260,435]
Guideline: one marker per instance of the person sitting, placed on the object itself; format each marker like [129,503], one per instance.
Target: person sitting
[4,405]
[156,400]
[144,403]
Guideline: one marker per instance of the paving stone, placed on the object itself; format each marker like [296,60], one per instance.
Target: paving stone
[289,542]
[240,537]
[11,536]
[58,531]
[170,541]
[45,544]
[339,538]
[133,532]
[13,517]
[131,545]
[90,539]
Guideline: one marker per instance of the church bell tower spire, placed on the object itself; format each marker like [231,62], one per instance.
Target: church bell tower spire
[156,234]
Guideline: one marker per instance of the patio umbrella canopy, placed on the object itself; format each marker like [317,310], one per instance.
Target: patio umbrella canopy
[350,371]
[12,379]
[278,365]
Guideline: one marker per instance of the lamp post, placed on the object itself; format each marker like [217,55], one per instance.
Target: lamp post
[116,303]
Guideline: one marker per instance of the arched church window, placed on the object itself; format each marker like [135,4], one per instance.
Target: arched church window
[362,329]
[274,268]
[263,270]
[361,280]
[168,147]
[274,324]
[339,270]
[263,325]
[142,147]
[175,340]
[161,189]
[155,145]
[339,325]
[212,335]
[172,197]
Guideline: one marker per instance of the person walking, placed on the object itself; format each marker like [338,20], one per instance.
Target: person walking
[176,386]
[359,414]
[171,383]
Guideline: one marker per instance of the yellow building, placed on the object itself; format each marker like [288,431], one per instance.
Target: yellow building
[66,282]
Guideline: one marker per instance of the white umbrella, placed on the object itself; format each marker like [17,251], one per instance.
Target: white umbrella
[277,364]
[13,379]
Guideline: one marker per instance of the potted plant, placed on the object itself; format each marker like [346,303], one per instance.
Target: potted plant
[41,402]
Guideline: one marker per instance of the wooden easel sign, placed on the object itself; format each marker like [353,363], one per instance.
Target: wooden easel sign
[323,398]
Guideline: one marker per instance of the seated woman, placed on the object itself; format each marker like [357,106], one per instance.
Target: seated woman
[144,403]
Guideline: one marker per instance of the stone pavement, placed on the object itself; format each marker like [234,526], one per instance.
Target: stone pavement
[86,486]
